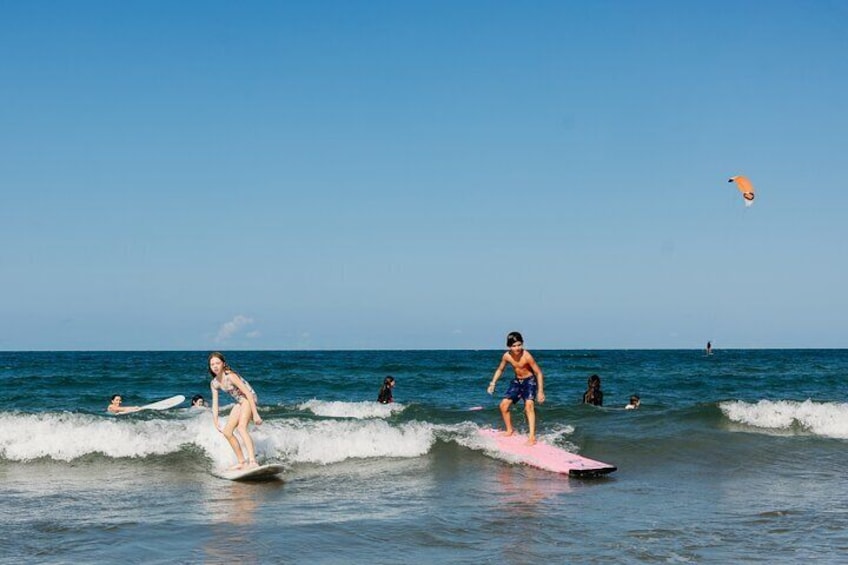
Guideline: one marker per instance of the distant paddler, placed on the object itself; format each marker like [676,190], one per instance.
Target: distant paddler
[116,408]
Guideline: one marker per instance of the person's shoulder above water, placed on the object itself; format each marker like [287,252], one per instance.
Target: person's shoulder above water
[593,395]
[116,408]
[385,396]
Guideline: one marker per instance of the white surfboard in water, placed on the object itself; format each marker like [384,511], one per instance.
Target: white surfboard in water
[164,404]
[261,473]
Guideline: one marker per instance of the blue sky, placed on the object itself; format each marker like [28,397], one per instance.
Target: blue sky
[415,175]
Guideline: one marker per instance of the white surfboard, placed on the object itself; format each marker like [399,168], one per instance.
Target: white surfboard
[262,473]
[164,404]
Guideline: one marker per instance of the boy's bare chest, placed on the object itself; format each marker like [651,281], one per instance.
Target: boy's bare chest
[519,363]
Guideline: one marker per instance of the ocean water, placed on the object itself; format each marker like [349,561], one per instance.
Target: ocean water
[735,457]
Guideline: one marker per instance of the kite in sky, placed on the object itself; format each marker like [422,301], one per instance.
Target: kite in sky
[745,187]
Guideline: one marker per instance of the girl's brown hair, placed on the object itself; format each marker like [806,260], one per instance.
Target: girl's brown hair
[220,356]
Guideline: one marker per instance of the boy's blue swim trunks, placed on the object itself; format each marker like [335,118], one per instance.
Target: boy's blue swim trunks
[522,388]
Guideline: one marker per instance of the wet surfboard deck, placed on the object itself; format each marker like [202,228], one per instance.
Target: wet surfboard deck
[546,456]
[269,472]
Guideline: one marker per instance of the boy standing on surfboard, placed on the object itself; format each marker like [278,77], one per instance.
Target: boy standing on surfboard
[529,384]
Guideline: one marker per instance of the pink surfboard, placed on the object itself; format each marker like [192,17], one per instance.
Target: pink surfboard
[547,457]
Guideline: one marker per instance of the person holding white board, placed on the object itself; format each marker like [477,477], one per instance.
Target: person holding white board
[116,408]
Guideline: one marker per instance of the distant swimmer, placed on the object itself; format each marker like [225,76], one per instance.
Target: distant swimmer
[116,408]
[593,395]
[634,403]
[244,410]
[385,395]
[528,384]
[709,348]
[197,401]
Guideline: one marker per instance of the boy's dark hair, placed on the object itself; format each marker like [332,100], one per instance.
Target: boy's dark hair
[197,397]
[512,338]
[114,396]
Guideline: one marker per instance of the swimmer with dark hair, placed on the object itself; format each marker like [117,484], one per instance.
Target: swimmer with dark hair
[385,396]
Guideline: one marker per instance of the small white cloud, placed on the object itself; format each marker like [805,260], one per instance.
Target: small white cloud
[231,328]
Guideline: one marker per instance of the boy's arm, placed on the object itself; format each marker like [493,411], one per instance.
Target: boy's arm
[498,372]
[540,380]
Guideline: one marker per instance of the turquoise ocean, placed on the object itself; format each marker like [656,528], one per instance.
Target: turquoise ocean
[739,456]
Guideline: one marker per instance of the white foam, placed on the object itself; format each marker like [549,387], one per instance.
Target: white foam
[469,436]
[826,419]
[360,410]
[556,434]
[331,441]
[67,436]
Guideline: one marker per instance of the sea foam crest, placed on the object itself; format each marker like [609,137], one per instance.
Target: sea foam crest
[360,410]
[469,436]
[826,419]
[331,441]
[68,436]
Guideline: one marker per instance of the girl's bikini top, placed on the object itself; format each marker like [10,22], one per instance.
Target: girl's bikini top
[227,386]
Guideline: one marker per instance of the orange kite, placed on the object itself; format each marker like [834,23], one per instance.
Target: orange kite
[745,187]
